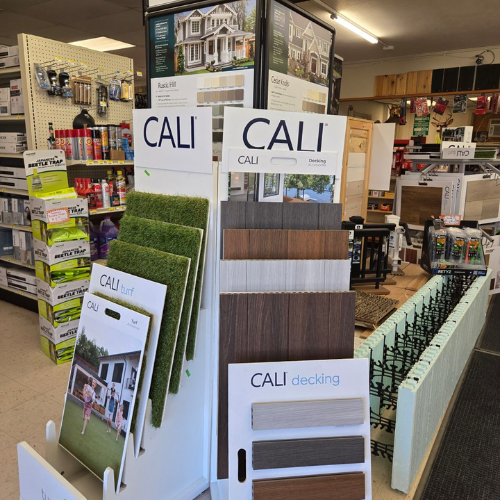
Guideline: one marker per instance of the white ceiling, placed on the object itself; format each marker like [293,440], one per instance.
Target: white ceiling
[412,27]
[72,20]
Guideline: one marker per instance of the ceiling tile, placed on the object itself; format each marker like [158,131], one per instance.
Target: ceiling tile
[137,38]
[5,40]
[13,23]
[18,4]
[66,11]
[63,33]
[110,25]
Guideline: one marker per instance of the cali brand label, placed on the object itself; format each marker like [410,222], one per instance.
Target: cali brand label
[284,379]
[174,139]
[45,171]
[274,142]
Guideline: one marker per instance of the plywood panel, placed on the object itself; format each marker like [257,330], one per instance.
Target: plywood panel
[300,215]
[358,144]
[233,276]
[308,318]
[264,215]
[411,83]
[266,244]
[297,414]
[354,188]
[287,453]
[391,85]
[418,203]
[266,275]
[350,486]
[381,85]
[342,314]
[424,82]
[306,244]
[233,318]
[401,82]
[337,244]
[236,243]
[330,216]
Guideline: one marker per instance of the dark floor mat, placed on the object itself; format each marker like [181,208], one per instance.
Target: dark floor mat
[490,337]
[467,466]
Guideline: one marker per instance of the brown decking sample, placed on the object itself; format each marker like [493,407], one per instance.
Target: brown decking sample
[349,486]
[285,244]
[418,203]
[279,327]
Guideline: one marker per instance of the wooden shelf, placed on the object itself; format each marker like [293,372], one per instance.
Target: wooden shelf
[409,96]
[19,292]
[21,192]
[11,155]
[11,260]
[381,197]
[109,163]
[99,211]
[28,229]
[380,211]
[14,70]
[12,118]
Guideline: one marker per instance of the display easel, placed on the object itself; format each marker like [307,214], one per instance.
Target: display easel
[174,461]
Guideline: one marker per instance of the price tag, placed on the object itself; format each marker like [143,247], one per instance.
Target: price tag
[58,59]
[139,73]
[58,215]
[100,162]
[112,209]
[120,162]
[451,219]
[90,162]
[109,162]
[71,62]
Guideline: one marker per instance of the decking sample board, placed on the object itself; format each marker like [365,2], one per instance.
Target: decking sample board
[349,486]
[255,215]
[298,414]
[285,453]
[284,275]
[285,244]
[257,327]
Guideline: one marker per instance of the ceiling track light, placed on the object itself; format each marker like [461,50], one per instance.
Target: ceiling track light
[352,26]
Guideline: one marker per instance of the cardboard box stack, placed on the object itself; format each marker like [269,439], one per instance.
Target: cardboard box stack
[62,267]
[12,142]
[9,56]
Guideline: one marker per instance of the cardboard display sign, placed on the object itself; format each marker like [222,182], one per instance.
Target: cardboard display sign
[103,384]
[298,419]
[149,296]
[45,171]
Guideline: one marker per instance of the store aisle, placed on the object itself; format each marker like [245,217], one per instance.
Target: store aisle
[32,389]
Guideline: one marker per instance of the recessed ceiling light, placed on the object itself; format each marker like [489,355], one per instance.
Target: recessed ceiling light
[102,44]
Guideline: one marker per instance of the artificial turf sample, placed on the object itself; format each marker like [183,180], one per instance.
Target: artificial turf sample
[177,240]
[185,211]
[143,367]
[170,270]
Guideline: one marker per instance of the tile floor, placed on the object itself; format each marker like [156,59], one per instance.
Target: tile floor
[33,392]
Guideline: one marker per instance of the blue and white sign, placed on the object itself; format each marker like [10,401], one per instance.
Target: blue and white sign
[177,139]
[262,141]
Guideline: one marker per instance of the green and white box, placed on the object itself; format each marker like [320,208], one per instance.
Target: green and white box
[60,333]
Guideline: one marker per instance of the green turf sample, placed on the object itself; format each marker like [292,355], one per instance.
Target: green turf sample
[177,240]
[185,211]
[170,270]
[143,367]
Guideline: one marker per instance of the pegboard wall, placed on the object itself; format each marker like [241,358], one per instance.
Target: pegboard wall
[42,108]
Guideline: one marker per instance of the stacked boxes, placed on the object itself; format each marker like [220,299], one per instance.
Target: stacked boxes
[16,97]
[9,56]
[12,142]
[13,177]
[15,211]
[4,101]
[62,267]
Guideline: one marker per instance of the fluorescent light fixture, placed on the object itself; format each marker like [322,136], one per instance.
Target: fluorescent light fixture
[354,28]
[102,44]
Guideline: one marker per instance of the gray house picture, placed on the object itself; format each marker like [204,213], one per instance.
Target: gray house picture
[211,36]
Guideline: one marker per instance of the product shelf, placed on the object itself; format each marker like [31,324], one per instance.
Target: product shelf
[99,211]
[381,197]
[12,118]
[380,211]
[10,259]
[19,292]
[11,155]
[13,70]
[28,229]
[111,163]
[22,192]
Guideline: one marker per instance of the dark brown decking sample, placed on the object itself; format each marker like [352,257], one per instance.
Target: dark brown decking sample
[349,486]
[336,244]
[306,244]
[265,244]
[308,452]
[236,243]
[279,327]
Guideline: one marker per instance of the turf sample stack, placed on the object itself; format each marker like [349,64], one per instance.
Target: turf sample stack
[162,238]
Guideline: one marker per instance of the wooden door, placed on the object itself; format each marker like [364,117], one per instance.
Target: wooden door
[356,167]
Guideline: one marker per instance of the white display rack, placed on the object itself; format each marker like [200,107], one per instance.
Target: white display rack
[21,192]
[19,156]
[19,292]
[110,163]
[28,229]
[110,210]
[12,118]
[10,259]
[14,70]
[174,460]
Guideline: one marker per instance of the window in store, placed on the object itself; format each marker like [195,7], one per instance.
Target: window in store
[271,185]
[117,372]
[104,371]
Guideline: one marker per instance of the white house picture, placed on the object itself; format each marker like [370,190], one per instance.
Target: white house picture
[211,37]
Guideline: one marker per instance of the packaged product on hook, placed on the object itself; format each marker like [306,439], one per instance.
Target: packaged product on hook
[42,77]
[115,90]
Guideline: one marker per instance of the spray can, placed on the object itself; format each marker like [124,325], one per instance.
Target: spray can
[104,142]
[80,136]
[57,135]
[112,136]
[121,187]
[68,144]
[89,148]
[96,143]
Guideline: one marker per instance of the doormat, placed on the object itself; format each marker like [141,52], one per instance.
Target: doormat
[372,310]
[170,270]
[490,337]
[467,464]
[185,211]
[176,240]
